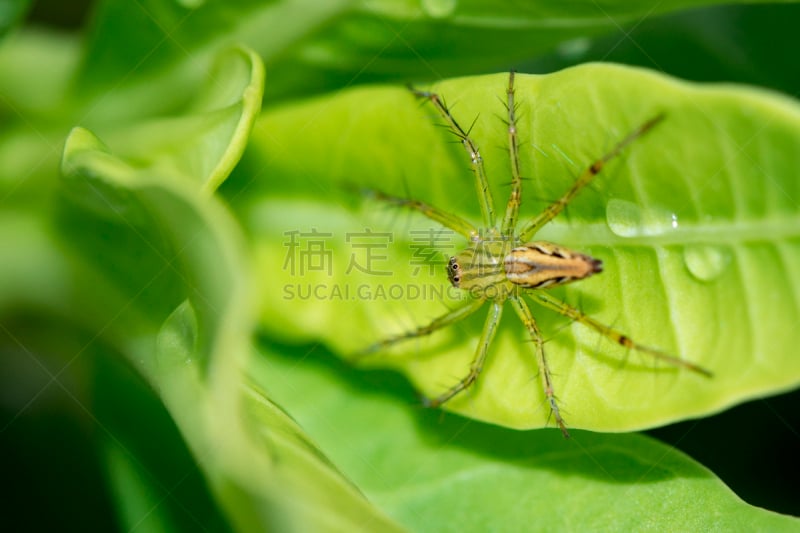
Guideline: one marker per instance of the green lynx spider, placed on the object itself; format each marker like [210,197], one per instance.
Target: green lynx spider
[501,261]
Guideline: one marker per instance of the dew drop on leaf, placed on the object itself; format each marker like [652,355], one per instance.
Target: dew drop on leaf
[706,263]
[574,48]
[628,219]
[439,8]
[624,218]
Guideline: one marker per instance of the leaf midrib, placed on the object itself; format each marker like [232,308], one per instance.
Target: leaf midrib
[775,229]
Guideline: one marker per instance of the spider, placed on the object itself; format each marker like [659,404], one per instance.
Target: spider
[502,262]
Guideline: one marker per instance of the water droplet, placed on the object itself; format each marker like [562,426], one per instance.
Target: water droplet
[628,219]
[624,218]
[706,262]
[439,8]
[574,48]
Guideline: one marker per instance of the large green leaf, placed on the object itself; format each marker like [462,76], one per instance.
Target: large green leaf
[444,473]
[152,46]
[162,274]
[697,224]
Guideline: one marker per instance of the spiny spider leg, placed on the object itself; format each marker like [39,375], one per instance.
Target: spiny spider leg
[512,208]
[476,161]
[447,319]
[489,329]
[527,319]
[448,220]
[552,210]
[570,312]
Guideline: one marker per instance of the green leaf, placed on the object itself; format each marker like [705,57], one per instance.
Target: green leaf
[310,46]
[444,473]
[731,42]
[36,70]
[11,12]
[182,146]
[162,266]
[156,488]
[697,224]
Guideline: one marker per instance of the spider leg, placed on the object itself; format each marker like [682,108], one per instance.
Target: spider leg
[552,210]
[476,161]
[615,336]
[448,220]
[449,318]
[512,208]
[475,368]
[527,319]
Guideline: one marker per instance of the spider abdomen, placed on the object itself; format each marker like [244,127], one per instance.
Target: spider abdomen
[541,264]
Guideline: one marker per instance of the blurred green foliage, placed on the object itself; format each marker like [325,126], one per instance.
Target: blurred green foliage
[132,396]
